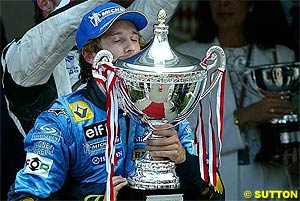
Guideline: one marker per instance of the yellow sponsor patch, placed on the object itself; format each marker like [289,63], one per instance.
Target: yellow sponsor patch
[138,153]
[81,111]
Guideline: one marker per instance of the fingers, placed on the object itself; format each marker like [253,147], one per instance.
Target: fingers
[167,147]
[168,142]
[278,107]
[119,185]
[177,156]
[118,180]
[165,130]
[155,145]
[272,106]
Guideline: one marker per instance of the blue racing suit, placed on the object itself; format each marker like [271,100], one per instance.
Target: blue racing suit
[66,149]
[69,139]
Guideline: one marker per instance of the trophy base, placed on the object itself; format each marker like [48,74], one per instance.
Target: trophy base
[280,142]
[152,186]
[128,193]
[151,174]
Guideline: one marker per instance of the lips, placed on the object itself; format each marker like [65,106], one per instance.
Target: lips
[225,14]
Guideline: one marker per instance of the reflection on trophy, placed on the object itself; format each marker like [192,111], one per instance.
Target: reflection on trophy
[281,144]
[160,85]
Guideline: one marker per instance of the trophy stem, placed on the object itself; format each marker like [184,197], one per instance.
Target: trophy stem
[153,174]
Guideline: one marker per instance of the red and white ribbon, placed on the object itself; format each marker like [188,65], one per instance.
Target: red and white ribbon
[106,77]
[210,174]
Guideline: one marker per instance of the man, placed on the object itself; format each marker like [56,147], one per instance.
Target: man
[40,67]
[42,8]
[43,65]
[70,138]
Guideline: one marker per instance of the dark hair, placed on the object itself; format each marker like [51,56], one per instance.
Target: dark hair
[85,67]
[3,35]
[38,15]
[85,70]
[266,25]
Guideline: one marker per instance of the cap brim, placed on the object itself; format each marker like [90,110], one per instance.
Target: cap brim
[137,18]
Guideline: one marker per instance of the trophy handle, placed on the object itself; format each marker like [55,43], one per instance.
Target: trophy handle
[103,56]
[215,55]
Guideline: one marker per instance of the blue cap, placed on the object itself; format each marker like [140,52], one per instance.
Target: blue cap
[99,20]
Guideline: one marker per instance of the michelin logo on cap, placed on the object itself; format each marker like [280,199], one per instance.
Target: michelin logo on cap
[96,18]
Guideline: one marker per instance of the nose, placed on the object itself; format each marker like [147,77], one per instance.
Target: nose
[129,47]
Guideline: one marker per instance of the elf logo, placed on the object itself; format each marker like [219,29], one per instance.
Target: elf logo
[95,131]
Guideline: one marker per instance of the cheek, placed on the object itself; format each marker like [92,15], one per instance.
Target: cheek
[116,50]
[137,47]
[113,48]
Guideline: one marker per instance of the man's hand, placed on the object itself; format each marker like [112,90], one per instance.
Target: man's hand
[169,146]
[119,182]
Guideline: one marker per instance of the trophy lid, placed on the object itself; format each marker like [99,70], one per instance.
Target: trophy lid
[160,58]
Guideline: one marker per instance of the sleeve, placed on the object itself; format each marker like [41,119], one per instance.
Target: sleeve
[285,54]
[186,136]
[47,156]
[198,189]
[150,8]
[32,59]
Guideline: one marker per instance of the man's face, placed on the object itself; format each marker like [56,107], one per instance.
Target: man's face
[47,6]
[122,39]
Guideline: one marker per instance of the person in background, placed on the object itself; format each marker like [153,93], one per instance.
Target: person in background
[65,155]
[291,10]
[42,8]
[251,33]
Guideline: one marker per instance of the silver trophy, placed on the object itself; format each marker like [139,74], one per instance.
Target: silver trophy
[284,133]
[160,85]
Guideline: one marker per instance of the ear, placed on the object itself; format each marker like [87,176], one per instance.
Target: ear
[87,55]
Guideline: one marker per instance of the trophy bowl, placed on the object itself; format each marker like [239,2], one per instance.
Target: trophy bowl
[281,144]
[160,85]
[279,77]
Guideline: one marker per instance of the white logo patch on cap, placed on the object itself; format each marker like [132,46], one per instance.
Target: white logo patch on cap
[96,18]
[38,165]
